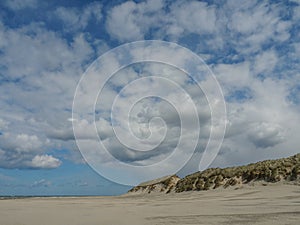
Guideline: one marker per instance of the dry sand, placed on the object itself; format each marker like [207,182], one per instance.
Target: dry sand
[272,204]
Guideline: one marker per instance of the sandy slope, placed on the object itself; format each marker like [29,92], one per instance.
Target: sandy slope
[272,204]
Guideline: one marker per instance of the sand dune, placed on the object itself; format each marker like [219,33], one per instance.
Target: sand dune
[272,204]
[270,171]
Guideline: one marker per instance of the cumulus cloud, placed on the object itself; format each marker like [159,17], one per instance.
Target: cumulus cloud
[266,135]
[22,151]
[45,49]
[258,23]
[245,27]
[21,4]
[74,19]
[183,18]
[253,49]
[130,21]
[21,142]
[265,62]
[37,89]
[61,134]
[45,162]
[140,127]
[193,17]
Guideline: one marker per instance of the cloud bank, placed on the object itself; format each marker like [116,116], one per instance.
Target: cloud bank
[253,48]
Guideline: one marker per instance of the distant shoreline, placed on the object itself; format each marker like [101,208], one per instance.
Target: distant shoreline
[52,196]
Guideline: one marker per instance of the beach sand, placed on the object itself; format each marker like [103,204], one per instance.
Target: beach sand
[272,204]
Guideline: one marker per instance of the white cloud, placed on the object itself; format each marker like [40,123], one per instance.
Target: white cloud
[45,49]
[296,12]
[41,68]
[141,122]
[27,142]
[193,17]
[122,23]
[41,183]
[243,27]
[3,124]
[74,19]
[249,18]
[265,62]
[131,21]
[20,143]
[44,162]
[265,135]
[36,90]
[256,23]
[233,75]
[25,151]
[21,4]
[262,127]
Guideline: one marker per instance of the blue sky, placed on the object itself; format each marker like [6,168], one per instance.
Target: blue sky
[253,48]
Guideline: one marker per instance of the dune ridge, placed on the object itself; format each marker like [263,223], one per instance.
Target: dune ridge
[268,171]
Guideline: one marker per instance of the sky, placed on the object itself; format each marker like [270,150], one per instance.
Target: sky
[252,49]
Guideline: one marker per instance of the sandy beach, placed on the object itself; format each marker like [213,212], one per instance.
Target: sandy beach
[271,204]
